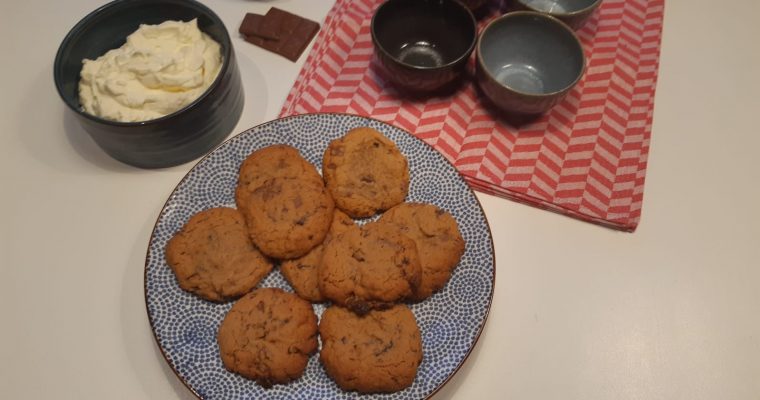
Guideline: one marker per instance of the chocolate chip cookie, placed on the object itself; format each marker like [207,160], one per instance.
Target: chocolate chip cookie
[301,272]
[284,201]
[213,257]
[369,268]
[268,336]
[276,161]
[365,172]
[439,242]
[377,352]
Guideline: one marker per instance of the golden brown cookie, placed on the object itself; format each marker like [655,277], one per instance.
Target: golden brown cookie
[213,257]
[378,352]
[369,268]
[284,201]
[439,242]
[276,161]
[365,172]
[268,336]
[301,272]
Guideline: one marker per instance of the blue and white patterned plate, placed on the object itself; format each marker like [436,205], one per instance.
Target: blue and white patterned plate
[450,321]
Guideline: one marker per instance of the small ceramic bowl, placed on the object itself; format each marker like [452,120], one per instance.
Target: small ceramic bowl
[175,138]
[527,62]
[474,5]
[423,45]
[572,12]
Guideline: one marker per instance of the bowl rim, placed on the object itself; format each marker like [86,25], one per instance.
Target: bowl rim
[574,13]
[554,20]
[226,50]
[462,57]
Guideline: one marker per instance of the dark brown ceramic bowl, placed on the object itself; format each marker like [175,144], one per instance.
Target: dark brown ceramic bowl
[170,140]
[572,12]
[474,5]
[423,45]
[528,62]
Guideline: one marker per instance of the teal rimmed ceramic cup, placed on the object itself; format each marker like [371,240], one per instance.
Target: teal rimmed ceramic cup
[528,62]
[572,12]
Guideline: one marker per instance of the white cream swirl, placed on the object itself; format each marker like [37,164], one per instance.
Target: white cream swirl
[159,70]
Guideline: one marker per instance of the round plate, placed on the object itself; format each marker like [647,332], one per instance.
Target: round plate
[185,326]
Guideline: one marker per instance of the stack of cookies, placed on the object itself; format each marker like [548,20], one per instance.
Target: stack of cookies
[288,214]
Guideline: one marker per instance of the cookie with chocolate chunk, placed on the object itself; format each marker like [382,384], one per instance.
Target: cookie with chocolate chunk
[284,201]
[213,256]
[439,242]
[376,353]
[369,268]
[302,272]
[276,161]
[268,336]
[365,172]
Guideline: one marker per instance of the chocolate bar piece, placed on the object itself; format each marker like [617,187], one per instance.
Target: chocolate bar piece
[293,32]
[278,22]
[251,27]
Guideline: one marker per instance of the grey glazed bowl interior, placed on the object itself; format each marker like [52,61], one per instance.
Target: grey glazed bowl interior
[169,140]
[529,56]
[560,7]
[572,12]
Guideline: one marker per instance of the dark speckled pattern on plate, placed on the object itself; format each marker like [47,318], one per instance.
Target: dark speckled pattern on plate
[451,321]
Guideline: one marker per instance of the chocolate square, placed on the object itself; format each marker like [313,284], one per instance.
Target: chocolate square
[251,26]
[293,32]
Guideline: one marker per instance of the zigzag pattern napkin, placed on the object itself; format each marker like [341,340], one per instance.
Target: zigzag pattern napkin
[586,158]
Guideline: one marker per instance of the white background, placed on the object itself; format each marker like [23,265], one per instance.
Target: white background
[671,311]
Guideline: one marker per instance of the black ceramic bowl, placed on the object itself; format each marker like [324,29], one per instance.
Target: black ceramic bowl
[175,138]
[423,44]
[474,5]
[528,62]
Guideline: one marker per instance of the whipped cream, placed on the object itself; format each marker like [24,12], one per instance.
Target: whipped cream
[159,70]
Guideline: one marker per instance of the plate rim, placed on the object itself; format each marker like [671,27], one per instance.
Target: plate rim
[482,323]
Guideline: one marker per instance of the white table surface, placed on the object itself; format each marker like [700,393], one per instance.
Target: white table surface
[671,311]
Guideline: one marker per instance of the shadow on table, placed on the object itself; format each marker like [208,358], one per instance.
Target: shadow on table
[86,147]
[148,364]
[49,139]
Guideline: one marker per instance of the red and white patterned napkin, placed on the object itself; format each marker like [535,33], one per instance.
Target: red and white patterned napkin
[586,158]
